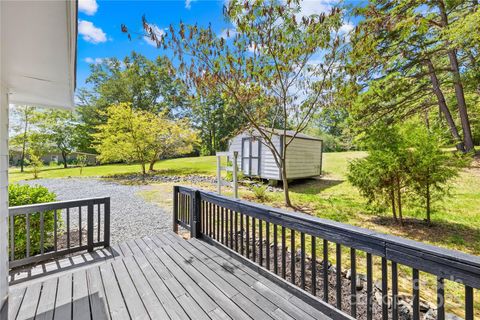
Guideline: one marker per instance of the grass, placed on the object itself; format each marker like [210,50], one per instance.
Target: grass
[181,166]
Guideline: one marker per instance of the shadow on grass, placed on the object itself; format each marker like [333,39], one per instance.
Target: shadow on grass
[313,186]
[443,233]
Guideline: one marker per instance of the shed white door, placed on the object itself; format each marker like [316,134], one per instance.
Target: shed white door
[251,156]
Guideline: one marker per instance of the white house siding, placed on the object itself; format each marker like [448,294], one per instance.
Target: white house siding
[303,158]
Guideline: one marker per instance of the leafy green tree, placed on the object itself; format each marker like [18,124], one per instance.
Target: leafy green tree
[404,63]
[26,117]
[61,129]
[276,68]
[141,136]
[429,167]
[381,176]
[148,85]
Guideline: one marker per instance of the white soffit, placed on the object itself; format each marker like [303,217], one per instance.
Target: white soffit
[39,44]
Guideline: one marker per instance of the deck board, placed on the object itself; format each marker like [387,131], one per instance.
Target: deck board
[157,277]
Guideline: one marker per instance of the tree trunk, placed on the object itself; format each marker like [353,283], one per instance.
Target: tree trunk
[24,145]
[64,156]
[443,106]
[286,192]
[399,200]
[429,222]
[144,172]
[152,164]
[459,94]
[392,197]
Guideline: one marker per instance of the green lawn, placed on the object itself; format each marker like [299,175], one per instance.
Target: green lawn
[195,165]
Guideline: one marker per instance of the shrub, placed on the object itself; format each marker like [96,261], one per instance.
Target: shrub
[22,195]
[260,191]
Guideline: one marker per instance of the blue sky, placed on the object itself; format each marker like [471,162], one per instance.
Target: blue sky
[100,36]
[99,27]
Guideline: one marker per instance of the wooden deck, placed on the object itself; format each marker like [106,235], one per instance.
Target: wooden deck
[158,277]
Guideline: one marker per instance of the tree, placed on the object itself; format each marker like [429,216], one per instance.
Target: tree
[149,85]
[430,168]
[61,129]
[141,136]
[172,138]
[381,176]
[126,136]
[405,63]
[276,68]
[26,116]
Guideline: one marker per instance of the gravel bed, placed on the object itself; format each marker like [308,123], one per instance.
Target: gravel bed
[131,216]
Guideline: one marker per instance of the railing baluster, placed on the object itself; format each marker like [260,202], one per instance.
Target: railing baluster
[175,209]
[99,217]
[292,256]
[68,227]
[394,291]
[369,287]
[90,227]
[236,230]
[353,283]
[440,299]
[222,225]
[384,289]
[242,231]
[254,242]
[284,253]
[55,230]
[302,260]
[260,242]
[218,224]
[468,303]
[275,249]
[267,244]
[325,270]
[42,233]
[314,266]
[27,222]
[338,274]
[12,238]
[416,294]
[106,232]
[247,236]
[80,226]
[231,229]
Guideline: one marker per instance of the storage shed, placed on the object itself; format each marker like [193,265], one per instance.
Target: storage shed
[255,159]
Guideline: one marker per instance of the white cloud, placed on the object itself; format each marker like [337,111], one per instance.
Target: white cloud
[159,32]
[309,7]
[94,60]
[188,3]
[89,7]
[228,33]
[90,33]
[346,28]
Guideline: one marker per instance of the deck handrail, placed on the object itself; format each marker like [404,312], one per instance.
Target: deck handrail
[62,239]
[211,211]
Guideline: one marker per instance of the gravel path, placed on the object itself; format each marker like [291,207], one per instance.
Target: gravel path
[131,216]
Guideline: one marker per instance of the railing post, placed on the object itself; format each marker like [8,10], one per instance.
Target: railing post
[175,208]
[195,216]
[106,231]
[90,227]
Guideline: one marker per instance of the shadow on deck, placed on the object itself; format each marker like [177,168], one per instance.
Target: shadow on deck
[157,277]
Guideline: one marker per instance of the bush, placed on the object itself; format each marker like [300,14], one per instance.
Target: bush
[22,195]
[260,191]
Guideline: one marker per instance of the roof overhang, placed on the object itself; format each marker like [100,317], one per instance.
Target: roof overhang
[39,46]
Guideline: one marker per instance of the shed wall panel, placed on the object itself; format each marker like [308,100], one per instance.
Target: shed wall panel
[304,158]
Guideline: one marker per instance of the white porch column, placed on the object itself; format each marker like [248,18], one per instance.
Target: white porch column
[3,201]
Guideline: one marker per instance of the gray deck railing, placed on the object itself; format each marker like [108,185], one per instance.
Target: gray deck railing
[44,231]
[261,234]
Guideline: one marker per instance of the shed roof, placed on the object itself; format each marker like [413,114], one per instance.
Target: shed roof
[289,133]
